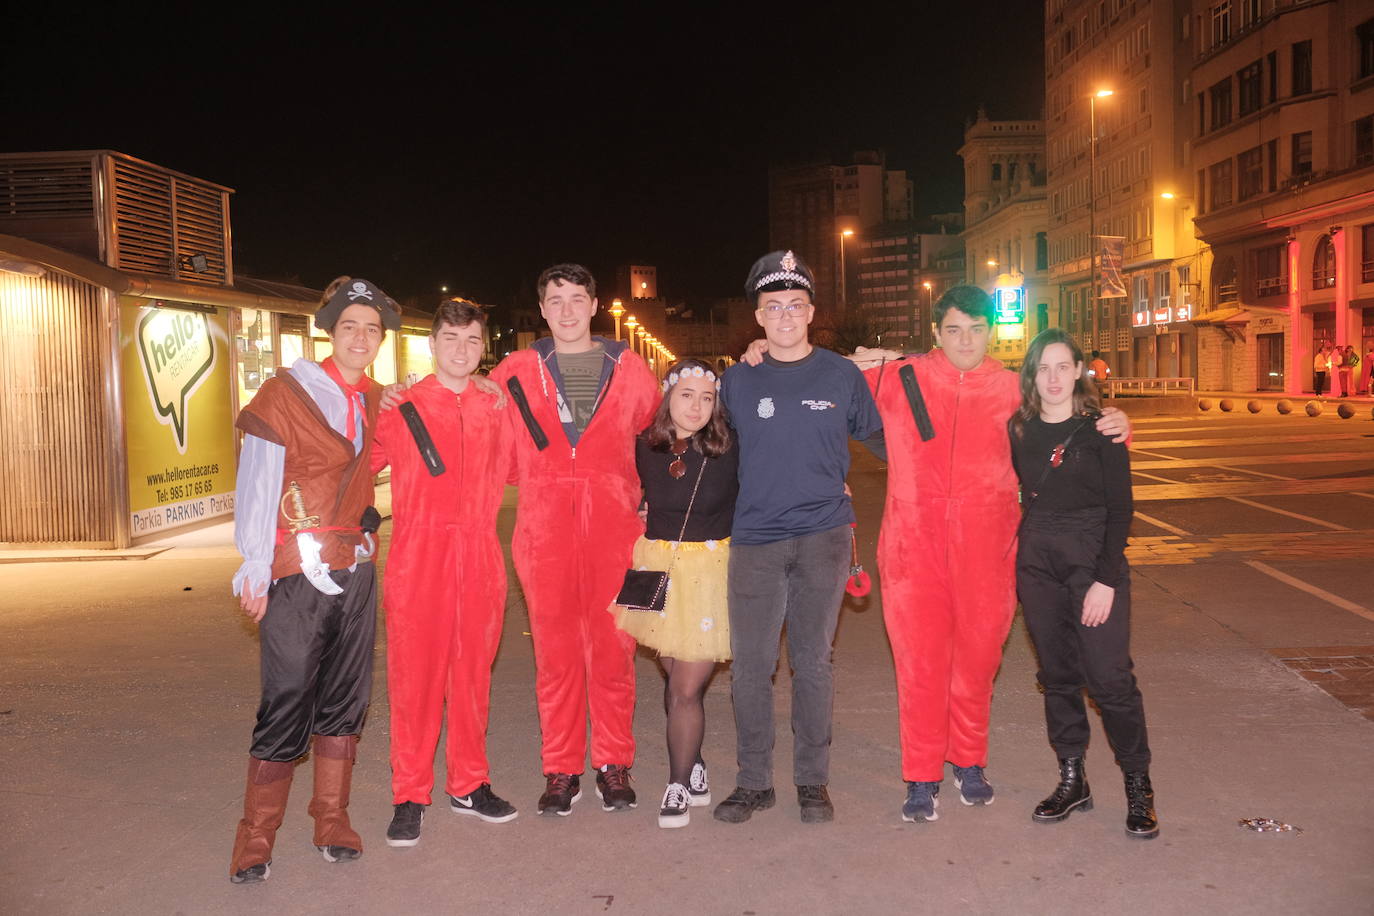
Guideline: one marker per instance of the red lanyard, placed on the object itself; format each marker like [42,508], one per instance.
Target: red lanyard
[349,391]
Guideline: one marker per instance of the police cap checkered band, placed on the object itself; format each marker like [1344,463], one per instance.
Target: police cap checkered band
[778,270]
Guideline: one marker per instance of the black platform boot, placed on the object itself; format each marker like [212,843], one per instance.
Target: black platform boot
[1071,794]
[1140,807]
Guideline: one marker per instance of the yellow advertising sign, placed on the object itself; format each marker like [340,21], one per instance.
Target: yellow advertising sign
[178,414]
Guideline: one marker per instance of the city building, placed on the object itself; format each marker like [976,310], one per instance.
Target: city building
[1006,235]
[1282,160]
[896,282]
[129,346]
[1124,259]
[636,281]
[810,207]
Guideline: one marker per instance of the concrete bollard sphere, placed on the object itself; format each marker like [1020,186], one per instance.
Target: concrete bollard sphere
[1204,404]
[1254,406]
[1313,409]
[1284,406]
[1227,405]
[1345,411]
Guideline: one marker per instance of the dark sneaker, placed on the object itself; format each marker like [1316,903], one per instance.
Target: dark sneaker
[613,788]
[562,790]
[974,789]
[339,853]
[253,874]
[922,798]
[405,824]
[484,803]
[815,804]
[676,809]
[742,804]
[698,786]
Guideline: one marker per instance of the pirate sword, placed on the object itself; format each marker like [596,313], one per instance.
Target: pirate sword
[315,569]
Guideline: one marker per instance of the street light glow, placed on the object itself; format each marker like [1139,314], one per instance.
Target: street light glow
[1104,93]
[847,233]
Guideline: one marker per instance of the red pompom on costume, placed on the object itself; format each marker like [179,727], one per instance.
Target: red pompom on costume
[574,535]
[445,584]
[946,555]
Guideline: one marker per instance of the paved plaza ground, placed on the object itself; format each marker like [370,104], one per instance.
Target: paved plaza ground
[128,690]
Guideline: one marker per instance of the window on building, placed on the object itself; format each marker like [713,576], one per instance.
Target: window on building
[1200,191]
[1272,154]
[1302,67]
[1250,173]
[1042,251]
[1219,97]
[1219,182]
[1364,40]
[1249,13]
[1364,141]
[1248,82]
[997,171]
[1221,23]
[1269,267]
[1324,264]
[1201,114]
[1141,287]
[1164,289]
[1367,253]
[1271,64]
[1302,154]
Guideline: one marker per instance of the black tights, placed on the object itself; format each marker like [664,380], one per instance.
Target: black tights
[682,701]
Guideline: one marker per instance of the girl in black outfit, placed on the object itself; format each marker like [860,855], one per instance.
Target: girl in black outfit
[687,449]
[1072,577]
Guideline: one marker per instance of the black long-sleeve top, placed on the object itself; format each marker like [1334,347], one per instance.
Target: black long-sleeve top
[1095,473]
[668,496]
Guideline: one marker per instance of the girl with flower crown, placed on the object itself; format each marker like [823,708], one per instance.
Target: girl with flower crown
[687,460]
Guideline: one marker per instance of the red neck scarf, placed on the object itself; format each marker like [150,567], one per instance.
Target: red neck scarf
[349,390]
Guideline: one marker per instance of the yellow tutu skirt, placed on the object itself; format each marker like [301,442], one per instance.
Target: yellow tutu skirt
[695,623]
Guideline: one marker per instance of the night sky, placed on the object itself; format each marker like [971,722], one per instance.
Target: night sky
[473,151]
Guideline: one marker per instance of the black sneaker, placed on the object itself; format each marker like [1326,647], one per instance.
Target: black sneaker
[816,807]
[253,874]
[339,853]
[562,790]
[698,786]
[405,824]
[742,804]
[613,788]
[676,809]
[484,803]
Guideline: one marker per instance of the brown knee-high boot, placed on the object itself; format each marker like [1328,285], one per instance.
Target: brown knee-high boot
[264,806]
[334,836]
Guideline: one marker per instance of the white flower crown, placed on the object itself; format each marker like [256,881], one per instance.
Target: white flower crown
[690,372]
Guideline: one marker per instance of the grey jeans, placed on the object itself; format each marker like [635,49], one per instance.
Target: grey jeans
[798,582]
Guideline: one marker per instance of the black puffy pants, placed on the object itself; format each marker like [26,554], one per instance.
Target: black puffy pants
[316,661]
[1055,564]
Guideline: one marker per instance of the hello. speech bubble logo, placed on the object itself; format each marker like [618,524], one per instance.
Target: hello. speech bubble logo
[177,353]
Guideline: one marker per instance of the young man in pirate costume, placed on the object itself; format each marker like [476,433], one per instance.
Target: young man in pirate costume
[795,413]
[580,401]
[302,523]
[445,586]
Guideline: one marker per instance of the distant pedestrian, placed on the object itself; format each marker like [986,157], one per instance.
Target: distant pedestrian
[1073,579]
[1100,372]
[1349,360]
[1320,364]
[1368,367]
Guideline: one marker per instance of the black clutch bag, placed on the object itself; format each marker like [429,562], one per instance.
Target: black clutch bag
[643,590]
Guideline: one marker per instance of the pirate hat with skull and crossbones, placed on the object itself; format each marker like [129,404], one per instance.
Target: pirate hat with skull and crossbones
[346,291]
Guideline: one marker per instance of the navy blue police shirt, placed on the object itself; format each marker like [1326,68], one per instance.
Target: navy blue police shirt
[794,422]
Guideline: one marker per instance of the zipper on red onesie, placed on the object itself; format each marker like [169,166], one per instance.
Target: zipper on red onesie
[953,452]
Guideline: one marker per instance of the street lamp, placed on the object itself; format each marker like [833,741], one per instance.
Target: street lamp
[617,309]
[630,324]
[1092,211]
[917,328]
[844,291]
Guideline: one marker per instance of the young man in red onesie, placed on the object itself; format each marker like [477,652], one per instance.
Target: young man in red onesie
[580,401]
[946,550]
[445,585]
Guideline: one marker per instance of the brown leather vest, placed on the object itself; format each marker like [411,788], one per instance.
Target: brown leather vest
[335,484]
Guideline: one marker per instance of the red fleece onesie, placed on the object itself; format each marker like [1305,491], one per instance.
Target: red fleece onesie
[574,535]
[946,555]
[445,585]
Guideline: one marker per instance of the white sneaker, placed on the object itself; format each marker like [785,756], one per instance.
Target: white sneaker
[698,786]
[676,810]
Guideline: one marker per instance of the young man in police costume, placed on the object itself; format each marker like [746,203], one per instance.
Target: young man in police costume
[304,500]
[795,413]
